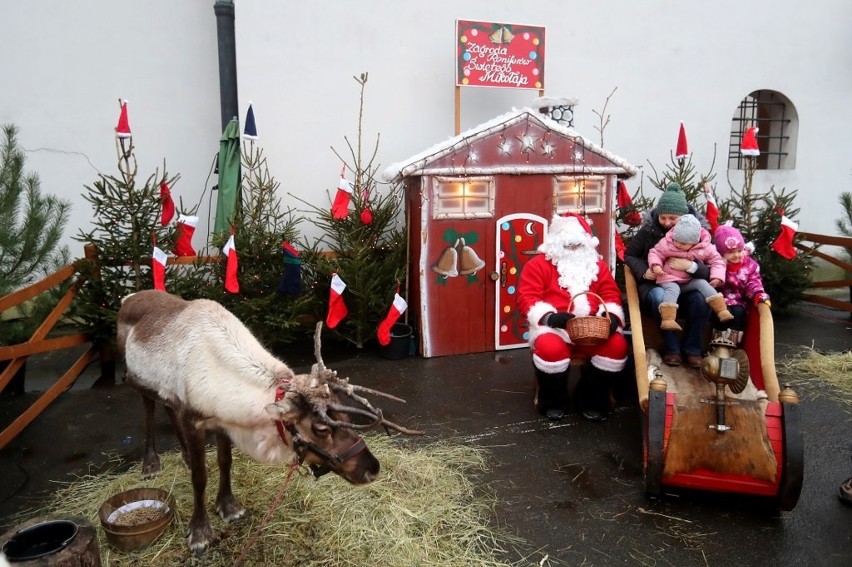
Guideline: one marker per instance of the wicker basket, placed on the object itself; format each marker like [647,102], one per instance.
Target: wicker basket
[588,330]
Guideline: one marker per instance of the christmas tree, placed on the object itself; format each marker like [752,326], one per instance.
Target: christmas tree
[365,247]
[758,216]
[274,312]
[127,225]
[32,223]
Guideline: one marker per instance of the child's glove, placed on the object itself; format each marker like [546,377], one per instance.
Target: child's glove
[762,298]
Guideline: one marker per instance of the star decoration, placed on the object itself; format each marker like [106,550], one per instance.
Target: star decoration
[527,143]
[472,156]
[548,149]
[578,155]
[505,147]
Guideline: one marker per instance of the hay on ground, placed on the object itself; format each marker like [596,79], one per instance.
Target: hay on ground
[833,369]
[424,509]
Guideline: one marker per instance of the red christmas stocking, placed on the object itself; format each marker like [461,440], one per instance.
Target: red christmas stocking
[185,230]
[397,308]
[783,245]
[340,206]
[167,203]
[712,211]
[232,285]
[336,307]
[158,268]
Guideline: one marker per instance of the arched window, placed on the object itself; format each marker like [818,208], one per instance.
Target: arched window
[778,127]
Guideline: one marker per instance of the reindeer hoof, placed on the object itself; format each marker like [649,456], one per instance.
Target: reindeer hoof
[199,538]
[230,510]
[151,466]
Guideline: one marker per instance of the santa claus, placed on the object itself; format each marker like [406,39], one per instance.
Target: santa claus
[568,265]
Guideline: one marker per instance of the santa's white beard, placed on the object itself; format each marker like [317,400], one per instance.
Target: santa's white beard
[577,268]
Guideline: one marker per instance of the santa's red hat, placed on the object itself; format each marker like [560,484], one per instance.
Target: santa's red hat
[749,147]
[682,150]
[568,229]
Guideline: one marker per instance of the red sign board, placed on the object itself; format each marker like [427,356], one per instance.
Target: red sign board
[499,55]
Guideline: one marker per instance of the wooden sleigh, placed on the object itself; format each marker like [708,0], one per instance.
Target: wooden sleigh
[757,448]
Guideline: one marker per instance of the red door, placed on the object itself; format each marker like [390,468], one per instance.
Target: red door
[518,238]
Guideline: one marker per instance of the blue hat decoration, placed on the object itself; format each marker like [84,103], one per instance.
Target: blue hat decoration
[250,131]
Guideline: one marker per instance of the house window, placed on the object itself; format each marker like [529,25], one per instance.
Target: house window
[579,194]
[463,198]
[777,122]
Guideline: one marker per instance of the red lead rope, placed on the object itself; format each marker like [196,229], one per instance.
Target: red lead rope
[272,508]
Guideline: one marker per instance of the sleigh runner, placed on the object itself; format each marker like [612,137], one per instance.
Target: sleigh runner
[726,427]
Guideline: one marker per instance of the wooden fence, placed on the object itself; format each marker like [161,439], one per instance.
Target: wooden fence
[17,355]
[809,243]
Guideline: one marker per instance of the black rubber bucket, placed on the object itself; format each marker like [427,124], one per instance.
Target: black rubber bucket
[40,540]
[400,342]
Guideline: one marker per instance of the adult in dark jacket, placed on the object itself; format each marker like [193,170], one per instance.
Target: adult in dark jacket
[670,207]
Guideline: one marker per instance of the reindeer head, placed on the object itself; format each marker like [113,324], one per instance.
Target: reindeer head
[324,435]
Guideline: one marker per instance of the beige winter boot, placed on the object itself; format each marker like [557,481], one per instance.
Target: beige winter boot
[668,314]
[717,304]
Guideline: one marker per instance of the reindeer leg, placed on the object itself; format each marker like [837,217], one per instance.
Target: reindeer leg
[226,503]
[180,433]
[151,466]
[200,532]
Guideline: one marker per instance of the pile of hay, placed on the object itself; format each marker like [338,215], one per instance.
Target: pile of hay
[833,369]
[423,510]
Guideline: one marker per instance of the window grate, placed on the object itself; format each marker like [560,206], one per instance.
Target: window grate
[775,120]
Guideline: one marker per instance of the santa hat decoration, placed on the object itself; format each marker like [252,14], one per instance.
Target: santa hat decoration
[632,217]
[340,206]
[185,230]
[712,211]
[783,245]
[250,130]
[397,308]
[336,307]
[232,284]
[158,268]
[749,147]
[682,150]
[167,204]
[122,130]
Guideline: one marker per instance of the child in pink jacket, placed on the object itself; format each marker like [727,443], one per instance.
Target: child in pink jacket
[743,285]
[687,240]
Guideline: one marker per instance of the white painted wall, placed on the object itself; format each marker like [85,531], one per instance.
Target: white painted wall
[67,64]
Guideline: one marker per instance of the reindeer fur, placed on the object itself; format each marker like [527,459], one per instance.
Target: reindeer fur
[212,375]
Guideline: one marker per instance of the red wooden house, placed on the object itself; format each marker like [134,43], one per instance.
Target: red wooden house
[478,206]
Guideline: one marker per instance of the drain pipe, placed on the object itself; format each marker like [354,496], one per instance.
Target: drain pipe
[224,10]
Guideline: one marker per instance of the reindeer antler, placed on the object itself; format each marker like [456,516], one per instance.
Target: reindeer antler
[318,345]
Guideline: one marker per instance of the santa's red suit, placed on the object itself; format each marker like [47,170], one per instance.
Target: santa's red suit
[569,265]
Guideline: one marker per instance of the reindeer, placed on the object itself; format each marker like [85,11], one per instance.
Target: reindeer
[211,374]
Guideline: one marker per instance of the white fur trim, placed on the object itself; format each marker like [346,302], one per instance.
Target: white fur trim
[608,364]
[537,311]
[551,367]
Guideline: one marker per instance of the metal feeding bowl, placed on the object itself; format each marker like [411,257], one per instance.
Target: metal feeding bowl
[135,518]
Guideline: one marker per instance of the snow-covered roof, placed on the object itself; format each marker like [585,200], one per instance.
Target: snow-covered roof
[418,164]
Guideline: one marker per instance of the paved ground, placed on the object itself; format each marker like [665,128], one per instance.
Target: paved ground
[573,490]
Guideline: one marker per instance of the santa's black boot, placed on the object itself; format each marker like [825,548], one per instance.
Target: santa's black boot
[592,394]
[552,393]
